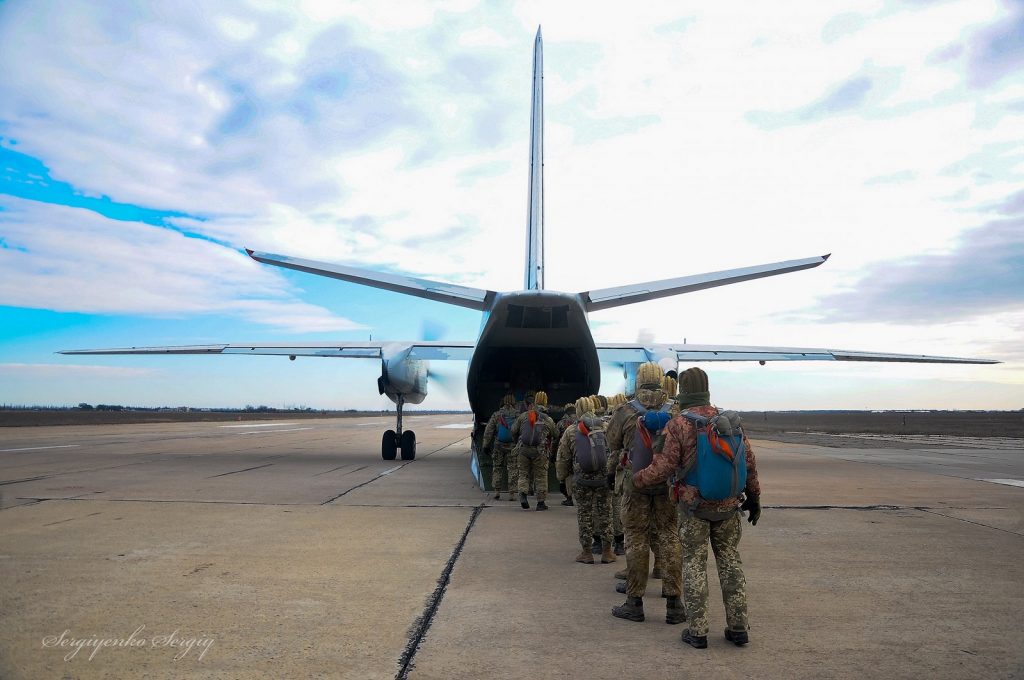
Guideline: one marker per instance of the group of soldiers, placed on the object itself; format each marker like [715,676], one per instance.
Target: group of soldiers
[640,471]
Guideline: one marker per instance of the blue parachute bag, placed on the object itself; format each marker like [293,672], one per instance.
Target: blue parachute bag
[504,431]
[716,475]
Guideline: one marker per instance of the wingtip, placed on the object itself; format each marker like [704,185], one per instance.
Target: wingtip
[825,257]
[538,31]
[249,252]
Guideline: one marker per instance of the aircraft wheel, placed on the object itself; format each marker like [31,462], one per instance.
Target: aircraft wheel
[389,445]
[408,445]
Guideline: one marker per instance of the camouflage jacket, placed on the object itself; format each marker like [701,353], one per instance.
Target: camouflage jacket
[565,463]
[491,431]
[679,450]
[549,431]
[565,423]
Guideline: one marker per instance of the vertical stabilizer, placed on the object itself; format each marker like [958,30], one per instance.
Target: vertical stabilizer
[535,216]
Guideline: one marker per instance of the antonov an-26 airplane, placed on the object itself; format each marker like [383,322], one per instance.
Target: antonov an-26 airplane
[529,339]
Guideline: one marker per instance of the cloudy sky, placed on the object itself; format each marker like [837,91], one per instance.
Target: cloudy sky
[144,145]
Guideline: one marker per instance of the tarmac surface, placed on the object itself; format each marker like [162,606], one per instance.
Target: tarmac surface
[289,549]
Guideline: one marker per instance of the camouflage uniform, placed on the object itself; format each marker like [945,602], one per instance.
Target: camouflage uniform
[648,515]
[593,502]
[535,470]
[500,451]
[567,421]
[720,525]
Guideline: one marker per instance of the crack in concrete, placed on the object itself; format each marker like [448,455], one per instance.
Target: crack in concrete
[426,619]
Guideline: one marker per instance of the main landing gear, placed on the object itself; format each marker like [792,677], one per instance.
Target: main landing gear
[396,441]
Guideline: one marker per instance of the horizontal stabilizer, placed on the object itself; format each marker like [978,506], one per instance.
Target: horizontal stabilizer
[625,352]
[434,351]
[606,298]
[474,298]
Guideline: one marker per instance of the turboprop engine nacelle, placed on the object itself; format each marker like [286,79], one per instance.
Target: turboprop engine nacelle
[402,377]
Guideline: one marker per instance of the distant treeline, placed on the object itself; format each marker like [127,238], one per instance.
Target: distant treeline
[188,409]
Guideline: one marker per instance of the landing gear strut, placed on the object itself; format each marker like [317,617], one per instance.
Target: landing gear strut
[395,441]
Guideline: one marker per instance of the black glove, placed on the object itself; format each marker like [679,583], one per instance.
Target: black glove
[610,480]
[561,487]
[753,507]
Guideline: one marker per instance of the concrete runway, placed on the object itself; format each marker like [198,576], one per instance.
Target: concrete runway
[291,550]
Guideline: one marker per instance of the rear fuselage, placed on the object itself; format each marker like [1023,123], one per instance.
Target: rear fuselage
[532,340]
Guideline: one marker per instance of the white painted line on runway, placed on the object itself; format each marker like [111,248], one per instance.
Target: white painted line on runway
[251,425]
[455,426]
[297,429]
[388,472]
[40,448]
[1007,482]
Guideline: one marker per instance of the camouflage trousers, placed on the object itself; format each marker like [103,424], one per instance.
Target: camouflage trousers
[593,506]
[512,464]
[534,471]
[650,523]
[500,468]
[617,513]
[725,538]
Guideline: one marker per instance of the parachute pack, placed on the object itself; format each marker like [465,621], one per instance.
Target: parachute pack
[649,425]
[591,452]
[720,468]
[504,430]
[530,435]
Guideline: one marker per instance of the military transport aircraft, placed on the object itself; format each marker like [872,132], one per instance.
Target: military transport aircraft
[529,339]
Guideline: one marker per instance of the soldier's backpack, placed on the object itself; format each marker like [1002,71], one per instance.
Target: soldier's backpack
[504,430]
[531,435]
[591,452]
[649,425]
[719,470]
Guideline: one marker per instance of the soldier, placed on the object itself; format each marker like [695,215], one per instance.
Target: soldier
[567,421]
[498,444]
[535,436]
[614,462]
[582,456]
[645,510]
[703,520]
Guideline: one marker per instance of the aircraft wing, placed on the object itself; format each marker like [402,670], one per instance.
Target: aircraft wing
[605,298]
[625,352]
[462,296]
[434,351]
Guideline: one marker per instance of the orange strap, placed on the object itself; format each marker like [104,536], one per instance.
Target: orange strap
[583,429]
[644,434]
[533,417]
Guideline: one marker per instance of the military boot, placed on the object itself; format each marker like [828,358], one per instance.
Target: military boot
[657,571]
[523,501]
[620,587]
[497,495]
[737,637]
[596,547]
[568,501]
[607,555]
[585,557]
[675,613]
[620,545]
[696,641]
[622,573]
[541,505]
[631,610]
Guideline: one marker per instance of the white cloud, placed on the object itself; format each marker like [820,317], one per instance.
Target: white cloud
[73,260]
[50,371]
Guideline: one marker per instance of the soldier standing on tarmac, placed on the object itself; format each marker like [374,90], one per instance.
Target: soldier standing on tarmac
[498,444]
[648,514]
[582,455]
[702,520]
[567,421]
[535,436]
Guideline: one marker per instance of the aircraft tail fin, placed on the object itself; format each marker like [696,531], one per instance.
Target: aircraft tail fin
[639,292]
[534,279]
